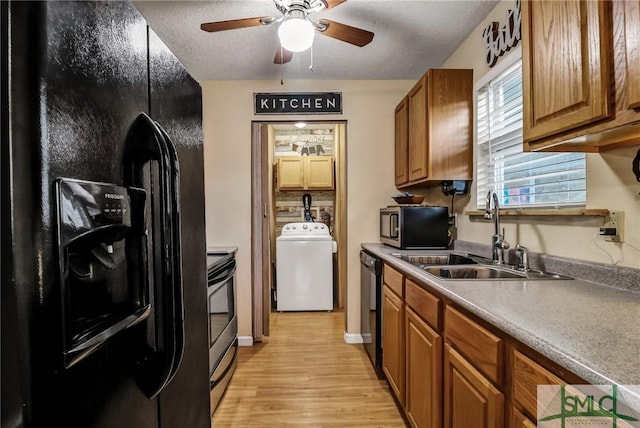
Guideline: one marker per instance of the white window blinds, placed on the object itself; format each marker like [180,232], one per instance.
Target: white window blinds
[520,179]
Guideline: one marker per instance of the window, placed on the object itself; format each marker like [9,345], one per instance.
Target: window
[521,179]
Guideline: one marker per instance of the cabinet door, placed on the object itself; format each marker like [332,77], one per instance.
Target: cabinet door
[418,149]
[402,142]
[518,420]
[393,341]
[470,400]
[527,375]
[632,43]
[424,304]
[423,373]
[290,173]
[319,172]
[450,127]
[566,65]
[481,347]
[393,279]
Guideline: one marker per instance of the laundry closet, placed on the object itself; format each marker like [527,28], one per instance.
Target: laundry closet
[304,200]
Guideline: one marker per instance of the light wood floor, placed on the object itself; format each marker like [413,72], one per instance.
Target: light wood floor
[305,375]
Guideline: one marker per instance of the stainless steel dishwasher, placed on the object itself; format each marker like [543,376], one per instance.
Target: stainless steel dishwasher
[371,311]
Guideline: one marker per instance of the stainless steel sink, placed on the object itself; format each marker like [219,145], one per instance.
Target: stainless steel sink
[422,260]
[473,272]
[466,267]
[486,272]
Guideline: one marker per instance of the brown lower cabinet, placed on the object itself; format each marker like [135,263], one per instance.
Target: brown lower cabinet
[423,401]
[527,375]
[470,399]
[518,420]
[393,341]
[448,368]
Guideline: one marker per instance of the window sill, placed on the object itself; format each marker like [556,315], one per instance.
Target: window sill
[545,212]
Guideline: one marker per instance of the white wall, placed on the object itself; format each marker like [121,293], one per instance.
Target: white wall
[368,108]
[610,185]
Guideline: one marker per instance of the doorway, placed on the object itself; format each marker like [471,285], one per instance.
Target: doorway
[271,209]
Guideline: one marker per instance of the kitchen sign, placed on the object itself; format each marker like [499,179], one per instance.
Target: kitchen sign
[298,103]
[499,40]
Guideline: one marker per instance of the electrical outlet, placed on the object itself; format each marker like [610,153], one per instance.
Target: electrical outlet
[615,220]
[453,220]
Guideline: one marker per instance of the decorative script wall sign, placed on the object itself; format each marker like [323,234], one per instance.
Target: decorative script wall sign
[499,40]
[298,103]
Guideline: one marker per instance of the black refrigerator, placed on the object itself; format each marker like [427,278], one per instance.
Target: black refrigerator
[104,317]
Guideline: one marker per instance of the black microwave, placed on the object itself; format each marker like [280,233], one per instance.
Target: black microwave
[415,227]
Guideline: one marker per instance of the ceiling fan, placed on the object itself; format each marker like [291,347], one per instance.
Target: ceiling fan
[297,30]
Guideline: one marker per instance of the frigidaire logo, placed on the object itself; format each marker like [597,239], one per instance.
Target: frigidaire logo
[113,196]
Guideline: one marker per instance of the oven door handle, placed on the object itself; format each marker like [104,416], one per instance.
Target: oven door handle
[227,360]
[224,274]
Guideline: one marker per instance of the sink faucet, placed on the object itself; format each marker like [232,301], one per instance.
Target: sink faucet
[492,212]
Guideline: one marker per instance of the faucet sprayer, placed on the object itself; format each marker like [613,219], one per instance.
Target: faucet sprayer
[523,253]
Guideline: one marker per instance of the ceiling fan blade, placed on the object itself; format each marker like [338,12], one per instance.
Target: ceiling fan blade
[283,56]
[235,23]
[333,3]
[346,33]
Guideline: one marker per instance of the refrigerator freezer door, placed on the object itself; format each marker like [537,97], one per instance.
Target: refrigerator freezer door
[78,80]
[79,76]
[176,104]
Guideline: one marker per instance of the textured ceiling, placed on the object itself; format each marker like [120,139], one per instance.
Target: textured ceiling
[410,37]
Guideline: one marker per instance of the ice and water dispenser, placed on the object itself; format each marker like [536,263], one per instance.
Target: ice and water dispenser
[102,263]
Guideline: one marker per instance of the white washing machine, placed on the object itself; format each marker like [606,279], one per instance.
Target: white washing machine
[304,267]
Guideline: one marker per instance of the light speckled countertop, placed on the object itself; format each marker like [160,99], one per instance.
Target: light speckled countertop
[590,329]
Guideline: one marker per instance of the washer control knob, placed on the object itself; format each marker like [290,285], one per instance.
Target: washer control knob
[304,226]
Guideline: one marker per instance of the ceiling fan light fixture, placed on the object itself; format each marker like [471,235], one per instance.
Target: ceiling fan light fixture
[296,33]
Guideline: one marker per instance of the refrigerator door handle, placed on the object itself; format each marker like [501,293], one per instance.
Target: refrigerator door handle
[160,360]
[177,291]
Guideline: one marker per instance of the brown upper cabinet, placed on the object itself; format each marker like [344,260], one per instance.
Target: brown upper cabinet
[305,173]
[402,142]
[580,65]
[434,129]
[632,50]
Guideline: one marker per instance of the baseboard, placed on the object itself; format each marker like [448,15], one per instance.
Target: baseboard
[352,338]
[245,341]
